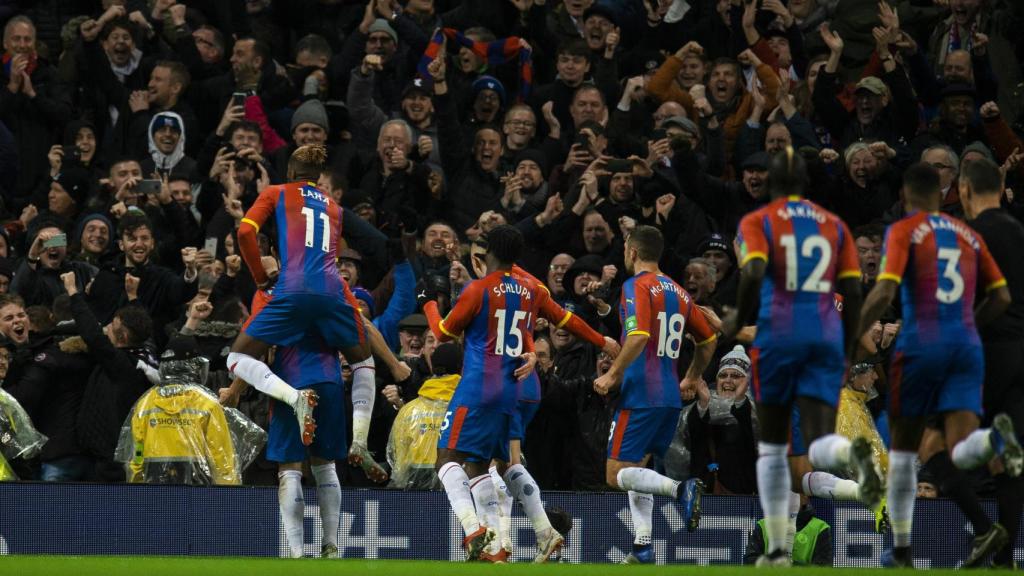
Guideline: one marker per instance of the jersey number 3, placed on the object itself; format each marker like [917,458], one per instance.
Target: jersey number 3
[325,244]
[812,246]
[950,257]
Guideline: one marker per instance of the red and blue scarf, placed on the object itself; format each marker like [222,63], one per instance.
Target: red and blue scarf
[494,53]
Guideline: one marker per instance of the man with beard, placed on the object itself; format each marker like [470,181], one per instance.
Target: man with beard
[716,249]
[167,144]
[431,264]
[253,72]
[572,61]
[473,184]
[416,108]
[373,37]
[955,126]
[160,290]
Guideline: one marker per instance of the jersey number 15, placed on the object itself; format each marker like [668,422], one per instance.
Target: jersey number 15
[514,328]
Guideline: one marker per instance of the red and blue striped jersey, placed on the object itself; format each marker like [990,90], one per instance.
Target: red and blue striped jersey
[943,262]
[496,313]
[308,229]
[807,250]
[308,362]
[654,305]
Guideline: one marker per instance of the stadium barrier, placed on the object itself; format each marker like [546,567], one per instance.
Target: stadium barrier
[85,519]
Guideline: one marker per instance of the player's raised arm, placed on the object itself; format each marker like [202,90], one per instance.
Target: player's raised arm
[562,318]
[465,309]
[248,245]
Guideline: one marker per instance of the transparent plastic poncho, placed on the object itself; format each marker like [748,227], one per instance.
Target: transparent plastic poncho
[18,437]
[412,445]
[180,434]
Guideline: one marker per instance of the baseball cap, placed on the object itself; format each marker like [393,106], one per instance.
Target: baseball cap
[417,86]
[872,84]
[756,161]
[714,242]
[682,122]
[350,254]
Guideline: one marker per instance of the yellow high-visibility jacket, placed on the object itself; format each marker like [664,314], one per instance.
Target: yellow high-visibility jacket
[412,446]
[181,436]
[854,419]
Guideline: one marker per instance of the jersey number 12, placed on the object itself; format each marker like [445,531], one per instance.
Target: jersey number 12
[811,245]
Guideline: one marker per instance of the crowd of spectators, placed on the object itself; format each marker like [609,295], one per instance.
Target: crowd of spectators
[134,134]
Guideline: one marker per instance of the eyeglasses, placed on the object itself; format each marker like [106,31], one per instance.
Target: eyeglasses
[558,267]
[521,123]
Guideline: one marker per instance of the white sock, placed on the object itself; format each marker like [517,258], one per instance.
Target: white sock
[825,485]
[900,496]
[646,481]
[364,388]
[773,487]
[289,497]
[641,508]
[260,377]
[328,496]
[486,499]
[456,486]
[830,452]
[505,501]
[794,511]
[522,485]
[974,451]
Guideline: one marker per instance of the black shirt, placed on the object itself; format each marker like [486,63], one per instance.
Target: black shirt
[1004,235]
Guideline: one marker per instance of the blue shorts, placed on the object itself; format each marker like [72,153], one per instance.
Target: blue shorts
[943,378]
[637,432]
[525,411]
[288,318]
[480,433]
[796,435]
[782,372]
[284,441]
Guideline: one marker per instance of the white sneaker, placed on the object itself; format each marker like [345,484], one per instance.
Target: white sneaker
[1013,454]
[868,476]
[328,551]
[548,543]
[304,405]
[777,559]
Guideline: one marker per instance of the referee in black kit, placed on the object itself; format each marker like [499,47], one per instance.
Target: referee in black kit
[981,192]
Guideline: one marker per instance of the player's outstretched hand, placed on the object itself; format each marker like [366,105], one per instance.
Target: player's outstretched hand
[611,347]
[529,363]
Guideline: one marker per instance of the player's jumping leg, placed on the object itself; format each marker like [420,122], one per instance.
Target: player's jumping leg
[456,485]
[523,487]
[243,362]
[364,391]
[832,451]
[328,497]
[289,498]
[485,497]
[505,502]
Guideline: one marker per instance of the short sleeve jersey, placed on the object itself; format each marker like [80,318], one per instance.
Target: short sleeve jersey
[654,305]
[939,262]
[807,250]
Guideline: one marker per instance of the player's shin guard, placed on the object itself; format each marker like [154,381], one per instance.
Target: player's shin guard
[794,511]
[260,377]
[773,487]
[825,485]
[289,497]
[830,452]
[646,481]
[328,497]
[524,488]
[902,489]
[486,499]
[364,390]
[505,501]
[975,450]
[456,486]
[641,508]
